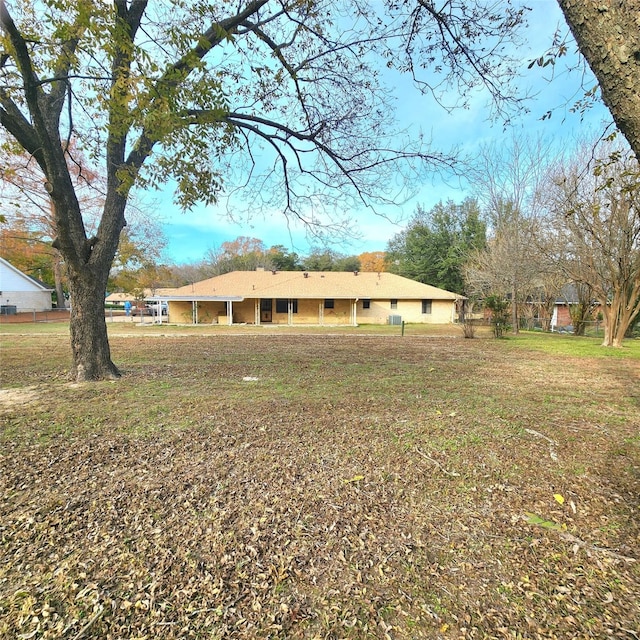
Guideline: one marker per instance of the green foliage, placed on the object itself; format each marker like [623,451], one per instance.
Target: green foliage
[28,250]
[436,244]
[329,260]
[633,328]
[247,254]
[137,262]
[499,308]
[535,519]
[242,254]
[581,311]
[284,260]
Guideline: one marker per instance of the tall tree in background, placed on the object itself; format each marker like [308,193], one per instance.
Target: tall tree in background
[506,178]
[137,264]
[283,259]
[436,244]
[509,266]
[242,254]
[329,260]
[165,90]
[557,283]
[373,261]
[595,215]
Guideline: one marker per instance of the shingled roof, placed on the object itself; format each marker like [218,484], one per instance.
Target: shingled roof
[312,284]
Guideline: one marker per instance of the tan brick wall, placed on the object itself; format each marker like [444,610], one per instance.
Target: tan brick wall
[310,312]
[409,310]
[340,314]
[208,312]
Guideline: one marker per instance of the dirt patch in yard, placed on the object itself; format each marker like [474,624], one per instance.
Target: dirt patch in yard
[12,398]
[322,487]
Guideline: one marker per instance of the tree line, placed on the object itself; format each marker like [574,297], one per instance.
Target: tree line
[138,264]
[543,227]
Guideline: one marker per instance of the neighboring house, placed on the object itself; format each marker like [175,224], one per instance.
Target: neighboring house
[19,292]
[310,297]
[567,303]
[119,298]
[561,314]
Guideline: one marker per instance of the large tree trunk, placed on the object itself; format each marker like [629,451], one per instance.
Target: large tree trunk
[608,317]
[608,35]
[619,313]
[624,309]
[89,341]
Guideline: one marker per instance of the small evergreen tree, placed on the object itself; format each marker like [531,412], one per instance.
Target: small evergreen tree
[499,308]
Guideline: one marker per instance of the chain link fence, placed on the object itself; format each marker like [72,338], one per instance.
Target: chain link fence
[13,316]
[591,328]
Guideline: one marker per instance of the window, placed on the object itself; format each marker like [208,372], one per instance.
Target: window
[426,306]
[366,304]
[282,306]
[329,303]
[394,304]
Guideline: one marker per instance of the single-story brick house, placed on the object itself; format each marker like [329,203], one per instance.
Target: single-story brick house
[568,301]
[20,292]
[309,297]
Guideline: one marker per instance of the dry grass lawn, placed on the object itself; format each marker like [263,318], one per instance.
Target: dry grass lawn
[313,485]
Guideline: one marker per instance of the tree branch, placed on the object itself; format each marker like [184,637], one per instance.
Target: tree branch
[176,74]
[32,90]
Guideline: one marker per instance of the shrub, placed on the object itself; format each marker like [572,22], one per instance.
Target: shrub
[499,308]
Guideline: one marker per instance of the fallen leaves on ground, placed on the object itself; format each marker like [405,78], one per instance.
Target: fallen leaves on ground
[318,502]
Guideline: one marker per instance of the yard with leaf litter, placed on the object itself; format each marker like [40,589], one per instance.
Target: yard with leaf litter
[319,486]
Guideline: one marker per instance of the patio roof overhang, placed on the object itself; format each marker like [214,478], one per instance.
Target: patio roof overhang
[197,298]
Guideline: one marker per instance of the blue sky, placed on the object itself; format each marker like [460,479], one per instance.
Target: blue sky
[191,235]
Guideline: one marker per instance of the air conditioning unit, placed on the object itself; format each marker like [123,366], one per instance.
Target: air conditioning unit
[395,319]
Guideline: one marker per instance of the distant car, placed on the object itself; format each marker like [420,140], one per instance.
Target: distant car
[164,307]
[566,329]
[142,310]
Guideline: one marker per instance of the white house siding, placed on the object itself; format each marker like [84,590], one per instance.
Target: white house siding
[27,300]
[20,291]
